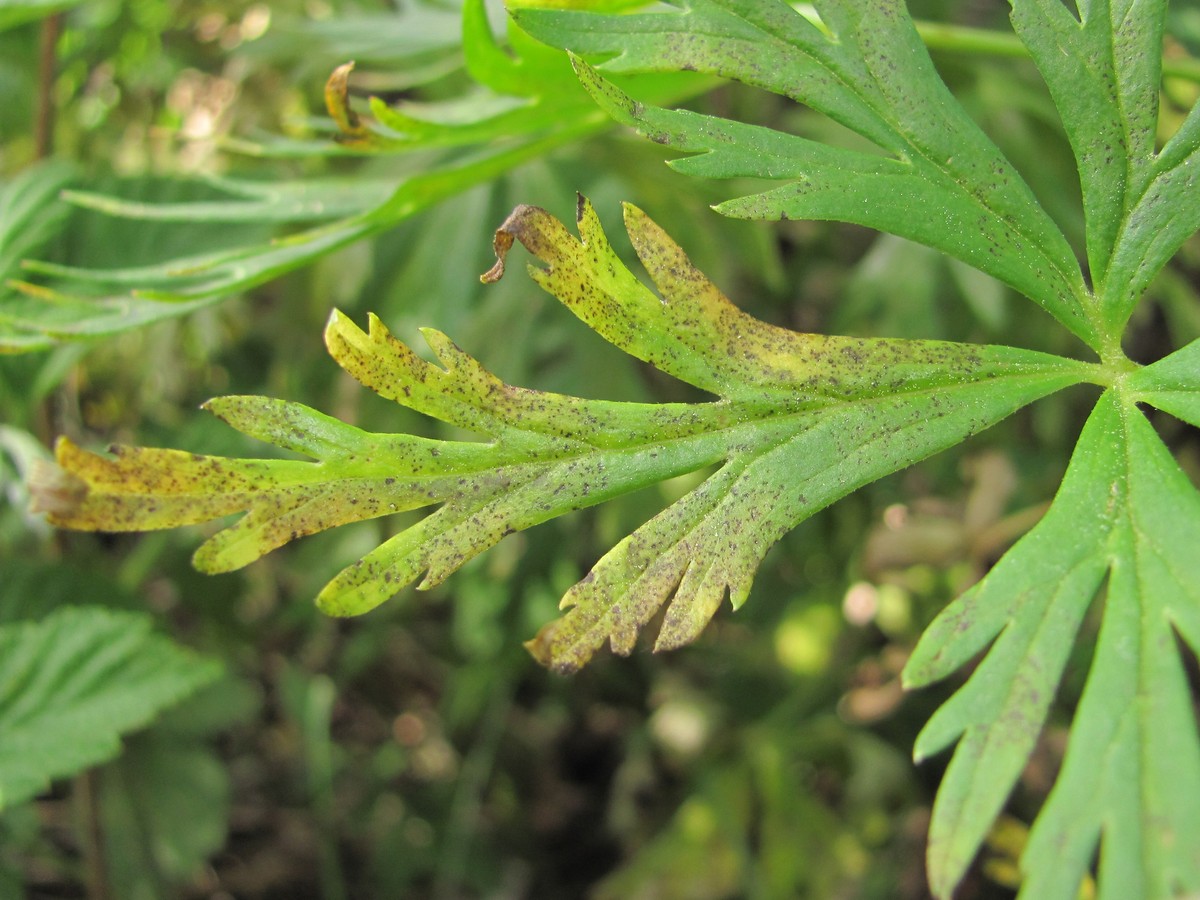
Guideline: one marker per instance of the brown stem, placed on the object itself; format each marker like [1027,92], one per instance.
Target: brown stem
[95,870]
[47,71]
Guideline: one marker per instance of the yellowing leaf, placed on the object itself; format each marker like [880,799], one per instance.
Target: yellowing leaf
[799,421]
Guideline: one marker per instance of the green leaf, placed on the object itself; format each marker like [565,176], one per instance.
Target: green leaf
[13,14]
[1104,70]
[1103,73]
[30,213]
[165,805]
[800,421]
[1127,513]
[1172,384]
[865,67]
[73,683]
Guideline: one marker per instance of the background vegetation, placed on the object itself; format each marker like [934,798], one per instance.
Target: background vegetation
[418,751]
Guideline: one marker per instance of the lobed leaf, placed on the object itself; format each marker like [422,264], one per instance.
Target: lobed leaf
[1125,512]
[863,65]
[1103,69]
[1172,384]
[800,421]
[73,683]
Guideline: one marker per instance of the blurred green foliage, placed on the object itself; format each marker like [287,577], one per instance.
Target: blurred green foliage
[418,751]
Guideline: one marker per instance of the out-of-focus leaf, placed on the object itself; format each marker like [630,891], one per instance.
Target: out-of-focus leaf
[30,213]
[72,684]
[528,104]
[314,199]
[18,12]
[165,809]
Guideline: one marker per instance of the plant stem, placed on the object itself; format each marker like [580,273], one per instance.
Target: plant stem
[95,870]
[43,131]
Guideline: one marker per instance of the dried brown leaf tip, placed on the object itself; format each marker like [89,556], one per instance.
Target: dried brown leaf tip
[532,226]
[337,101]
[55,491]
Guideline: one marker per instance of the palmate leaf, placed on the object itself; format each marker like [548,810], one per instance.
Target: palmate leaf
[1126,519]
[800,421]
[1131,776]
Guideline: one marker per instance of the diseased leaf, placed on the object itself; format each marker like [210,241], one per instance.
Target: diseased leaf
[865,67]
[73,683]
[1103,69]
[1127,513]
[1103,73]
[800,421]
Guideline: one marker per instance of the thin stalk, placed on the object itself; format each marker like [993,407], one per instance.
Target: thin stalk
[43,129]
[87,790]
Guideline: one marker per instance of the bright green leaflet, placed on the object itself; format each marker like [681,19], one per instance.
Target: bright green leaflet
[1126,512]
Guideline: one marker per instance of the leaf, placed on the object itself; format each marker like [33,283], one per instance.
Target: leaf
[13,14]
[1128,514]
[29,212]
[801,420]
[1104,70]
[314,199]
[1172,384]
[165,805]
[864,66]
[73,683]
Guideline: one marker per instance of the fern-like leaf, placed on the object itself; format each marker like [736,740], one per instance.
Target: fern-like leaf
[800,421]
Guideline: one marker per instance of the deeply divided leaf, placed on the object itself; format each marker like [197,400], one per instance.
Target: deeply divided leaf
[1126,518]
[940,180]
[799,420]
[1103,69]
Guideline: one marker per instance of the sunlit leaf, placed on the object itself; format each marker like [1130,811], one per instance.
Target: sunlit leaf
[801,420]
[1127,515]
[863,65]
